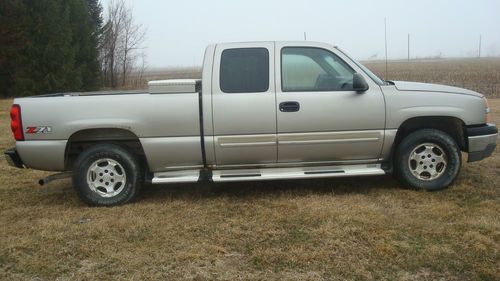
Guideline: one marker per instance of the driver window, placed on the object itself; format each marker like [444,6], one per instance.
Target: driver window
[305,69]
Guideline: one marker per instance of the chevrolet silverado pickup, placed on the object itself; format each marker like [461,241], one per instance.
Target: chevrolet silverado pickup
[262,111]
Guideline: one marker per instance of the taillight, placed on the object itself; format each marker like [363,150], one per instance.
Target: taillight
[16,123]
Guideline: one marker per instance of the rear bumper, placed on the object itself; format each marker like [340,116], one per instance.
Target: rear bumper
[482,141]
[13,158]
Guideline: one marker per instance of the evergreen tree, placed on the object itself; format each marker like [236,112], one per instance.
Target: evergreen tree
[85,41]
[14,37]
[50,56]
[95,10]
[49,46]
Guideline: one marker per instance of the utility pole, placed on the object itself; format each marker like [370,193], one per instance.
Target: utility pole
[385,35]
[305,36]
[479,55]
[408,47]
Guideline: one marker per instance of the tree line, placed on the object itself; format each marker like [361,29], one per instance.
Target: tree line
[49,46]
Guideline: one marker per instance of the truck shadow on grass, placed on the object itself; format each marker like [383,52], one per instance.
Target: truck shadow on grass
[262,189]
[62,193]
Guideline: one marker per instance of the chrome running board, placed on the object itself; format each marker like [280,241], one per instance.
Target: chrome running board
[271,173]
[296,173]
[176,177]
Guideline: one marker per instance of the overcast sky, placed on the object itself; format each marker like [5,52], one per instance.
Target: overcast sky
[178,31]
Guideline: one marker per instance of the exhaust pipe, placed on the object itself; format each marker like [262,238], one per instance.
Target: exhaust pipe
[54,177]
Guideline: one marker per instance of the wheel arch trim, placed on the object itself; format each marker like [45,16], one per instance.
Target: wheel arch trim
[91,136]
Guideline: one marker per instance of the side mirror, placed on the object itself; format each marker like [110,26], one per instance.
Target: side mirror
[359,83]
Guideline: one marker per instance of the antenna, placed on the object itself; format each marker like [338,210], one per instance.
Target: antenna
[479,55]
[305,36]
[385,34]
[408,47]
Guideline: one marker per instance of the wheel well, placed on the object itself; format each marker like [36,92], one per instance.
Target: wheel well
[450,125]
[83,139]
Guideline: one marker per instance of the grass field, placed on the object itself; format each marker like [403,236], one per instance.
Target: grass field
[478,74]
[328,229]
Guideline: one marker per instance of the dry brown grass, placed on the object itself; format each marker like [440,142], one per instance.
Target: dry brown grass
[481,75]
[329,229]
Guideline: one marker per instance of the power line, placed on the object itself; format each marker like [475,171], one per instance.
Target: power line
[385,35]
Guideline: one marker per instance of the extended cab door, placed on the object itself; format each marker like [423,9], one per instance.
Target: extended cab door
[244,104]
[320,118]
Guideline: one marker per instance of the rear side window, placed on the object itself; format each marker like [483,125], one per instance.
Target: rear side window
[244,70]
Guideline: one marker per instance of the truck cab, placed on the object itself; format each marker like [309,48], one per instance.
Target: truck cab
[287,103]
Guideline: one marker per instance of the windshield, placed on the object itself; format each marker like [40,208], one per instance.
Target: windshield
[374,77]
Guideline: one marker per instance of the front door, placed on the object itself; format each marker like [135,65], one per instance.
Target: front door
[244,105]
[320,118]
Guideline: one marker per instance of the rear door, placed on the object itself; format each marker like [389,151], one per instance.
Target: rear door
[244,104]
[320,118]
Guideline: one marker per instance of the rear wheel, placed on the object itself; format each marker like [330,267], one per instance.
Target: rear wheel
[429,159]
[107,175]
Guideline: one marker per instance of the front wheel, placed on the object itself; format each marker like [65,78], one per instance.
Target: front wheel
[428,159]
[107,175]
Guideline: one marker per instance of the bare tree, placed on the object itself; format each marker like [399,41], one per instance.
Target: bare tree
[121,44]
[131,41]
[109,42]
[141,68]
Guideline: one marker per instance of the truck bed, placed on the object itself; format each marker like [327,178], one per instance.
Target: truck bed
[94,93]
[167,125]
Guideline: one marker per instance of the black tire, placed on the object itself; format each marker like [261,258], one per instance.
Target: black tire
[107,175]
[414,146]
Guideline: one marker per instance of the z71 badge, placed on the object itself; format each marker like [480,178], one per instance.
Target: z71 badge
[39,130]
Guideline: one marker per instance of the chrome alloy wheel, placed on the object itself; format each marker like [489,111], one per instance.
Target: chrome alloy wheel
[427,161]
[106,177]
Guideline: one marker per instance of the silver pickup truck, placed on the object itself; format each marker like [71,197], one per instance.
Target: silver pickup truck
[262,111]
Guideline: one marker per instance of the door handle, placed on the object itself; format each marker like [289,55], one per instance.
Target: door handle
[289,106]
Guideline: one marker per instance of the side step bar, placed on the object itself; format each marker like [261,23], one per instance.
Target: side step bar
[176,177]
[270,173]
